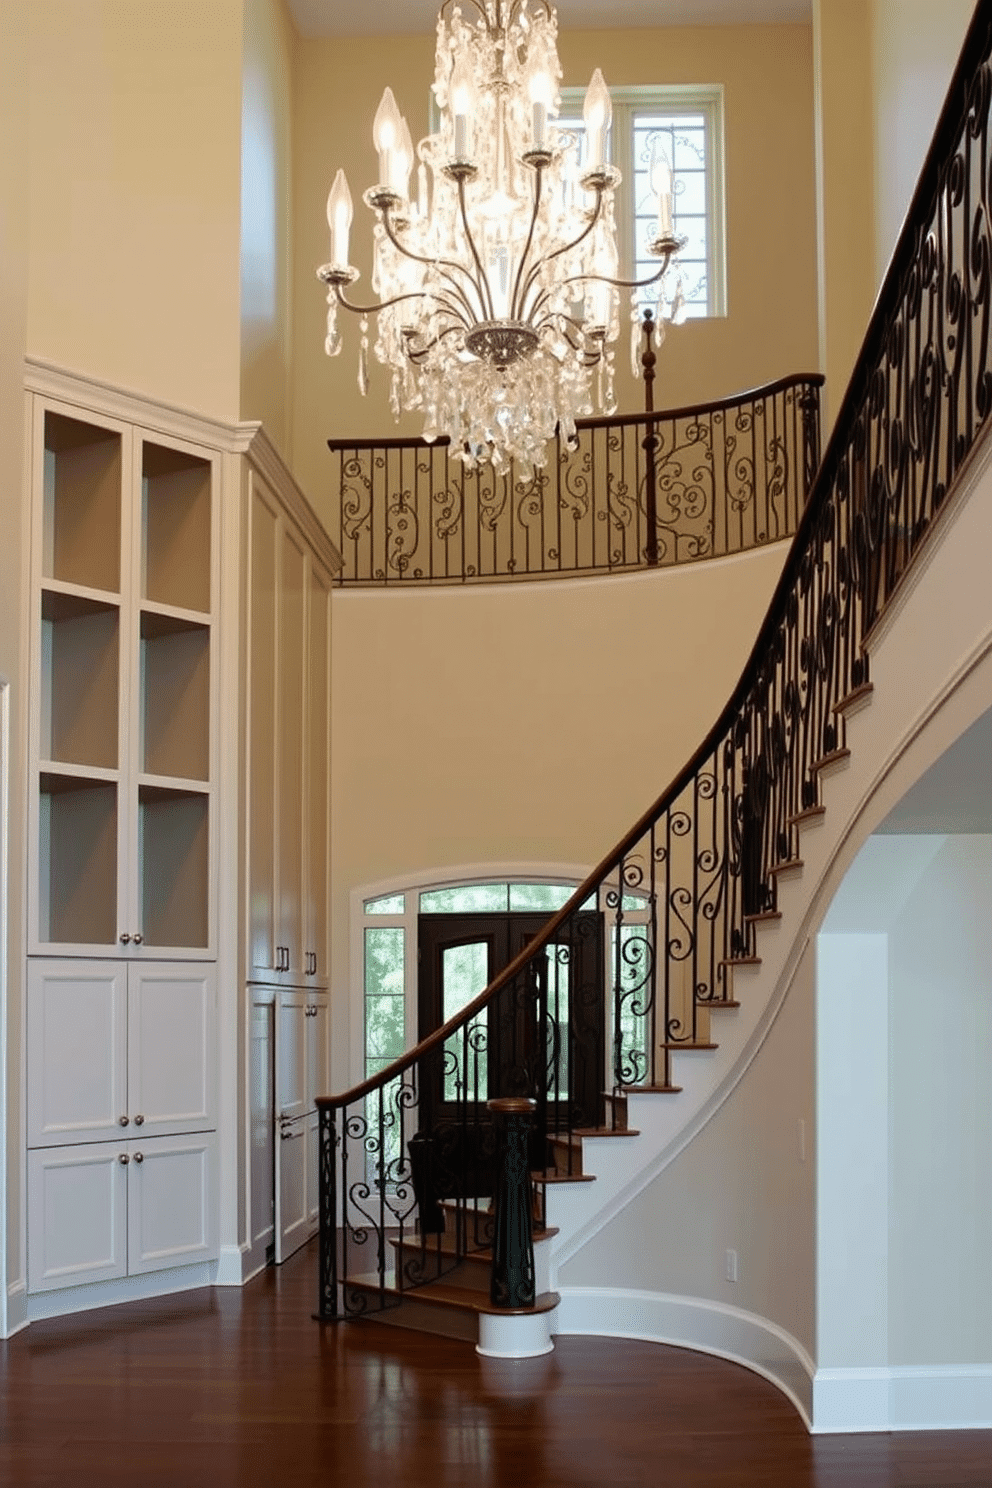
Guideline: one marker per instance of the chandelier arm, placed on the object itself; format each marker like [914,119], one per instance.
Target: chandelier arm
[424,352]
[441,264]
[577,343]
[516,303]
[487,300]
[388,304]
[566,248]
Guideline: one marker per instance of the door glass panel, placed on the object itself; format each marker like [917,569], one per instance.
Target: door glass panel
[464,974]
[390,905]
[558,957]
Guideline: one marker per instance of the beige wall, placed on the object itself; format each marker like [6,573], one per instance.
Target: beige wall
[914,46]
[266,217]
[770,329]
[845,187]
[134,214]
[522,722]
[744,1183]
[13,669]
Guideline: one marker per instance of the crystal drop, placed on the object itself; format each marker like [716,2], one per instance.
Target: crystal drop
[332,344]
[363,359]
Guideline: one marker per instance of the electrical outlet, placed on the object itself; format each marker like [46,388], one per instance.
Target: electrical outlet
[732,1268]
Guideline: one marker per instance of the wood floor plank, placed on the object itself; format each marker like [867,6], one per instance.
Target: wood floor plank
[232,1389]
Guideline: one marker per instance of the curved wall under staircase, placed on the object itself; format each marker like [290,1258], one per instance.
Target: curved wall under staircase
[725,1165]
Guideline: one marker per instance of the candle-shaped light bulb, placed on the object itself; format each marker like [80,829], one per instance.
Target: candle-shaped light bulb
[463,102]
[661,185]
[597,111]
[599,304]
[541,98]
[386,133]
[339,215]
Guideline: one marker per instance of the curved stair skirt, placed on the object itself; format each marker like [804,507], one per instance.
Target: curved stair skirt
[517,1335]
[892,743]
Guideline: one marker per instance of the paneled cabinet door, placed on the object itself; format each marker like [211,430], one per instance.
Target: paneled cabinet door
[290,753]
[77,1215]
[292,1227]
[317,773]
[77,1052]
[171,1209]
[171,1028]
[291,1055]
[262,805]
[316,1046]
[114,1048]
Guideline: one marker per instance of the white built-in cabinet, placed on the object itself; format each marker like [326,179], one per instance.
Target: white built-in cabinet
[178,842]
[301,1075]
[289,661]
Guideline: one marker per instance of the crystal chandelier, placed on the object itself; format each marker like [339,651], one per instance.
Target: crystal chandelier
[497,271]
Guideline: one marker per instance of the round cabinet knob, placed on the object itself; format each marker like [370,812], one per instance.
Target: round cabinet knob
[123,1159]
[139,1120]
[122,1120]
[137,939]
[139,1157]
[125,939]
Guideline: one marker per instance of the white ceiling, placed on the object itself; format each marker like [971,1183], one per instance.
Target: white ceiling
[387,17]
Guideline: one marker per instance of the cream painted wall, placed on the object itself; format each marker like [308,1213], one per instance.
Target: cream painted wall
[13,667]
[914,47]
[266,218]
[844,187]
[521,722]
[741,1184]
[770,329]
[134,214]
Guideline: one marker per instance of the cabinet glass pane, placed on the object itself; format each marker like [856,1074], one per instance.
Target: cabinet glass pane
[80,641]
[175,694]
[82,504]
[173,850]
[77,860]
[175,489]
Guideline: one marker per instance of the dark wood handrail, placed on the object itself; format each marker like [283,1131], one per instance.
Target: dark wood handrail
[933,177]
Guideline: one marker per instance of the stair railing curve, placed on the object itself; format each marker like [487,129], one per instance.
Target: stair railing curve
[684,889]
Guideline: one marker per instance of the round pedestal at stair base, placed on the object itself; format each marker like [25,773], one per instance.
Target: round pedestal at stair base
[516,1335]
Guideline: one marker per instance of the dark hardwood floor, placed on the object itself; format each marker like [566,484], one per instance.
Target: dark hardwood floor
[223,1388]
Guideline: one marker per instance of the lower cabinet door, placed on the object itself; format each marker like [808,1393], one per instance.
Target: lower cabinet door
[171,1210]
[77,1215]
[291,1187]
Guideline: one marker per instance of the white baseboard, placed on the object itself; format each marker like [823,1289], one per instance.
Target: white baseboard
[16,1316]
[129,1289]
[694,1323]
[231,1266]
[924,1397]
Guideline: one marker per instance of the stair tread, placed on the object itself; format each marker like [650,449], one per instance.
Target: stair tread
[857,696]
[810,814]
[652,1089]
[790,865]
[727,1002]
[763,917]
[463,1299]
[739,961]
[473,1257]
[552,1175]
[605,1131]
[686,1047]
[833,758]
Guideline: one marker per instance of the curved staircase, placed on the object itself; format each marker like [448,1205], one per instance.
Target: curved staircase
[876,653]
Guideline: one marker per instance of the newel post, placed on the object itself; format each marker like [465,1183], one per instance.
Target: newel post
[512,1281]
[650,445]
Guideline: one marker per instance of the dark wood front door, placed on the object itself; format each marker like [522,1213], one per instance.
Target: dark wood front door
[543,1035]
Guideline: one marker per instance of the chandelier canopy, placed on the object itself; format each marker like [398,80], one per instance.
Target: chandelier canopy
[496,262]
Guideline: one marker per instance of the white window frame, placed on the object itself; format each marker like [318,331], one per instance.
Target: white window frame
[670,100]
[412,885]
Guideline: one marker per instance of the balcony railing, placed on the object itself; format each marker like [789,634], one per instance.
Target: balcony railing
[633,492]
[681,894]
